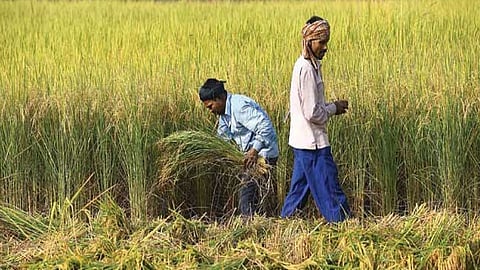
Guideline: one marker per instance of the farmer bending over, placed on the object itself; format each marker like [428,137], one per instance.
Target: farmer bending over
[241,119]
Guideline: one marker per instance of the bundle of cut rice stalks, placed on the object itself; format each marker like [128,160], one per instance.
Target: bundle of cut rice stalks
[187,155]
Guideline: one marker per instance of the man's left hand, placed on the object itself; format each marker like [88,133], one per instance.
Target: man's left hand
[250,158]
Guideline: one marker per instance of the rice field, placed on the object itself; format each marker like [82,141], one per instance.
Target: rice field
[425,239]
[89,88]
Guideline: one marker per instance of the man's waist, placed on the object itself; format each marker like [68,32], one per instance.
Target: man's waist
[269,153]
[308,140]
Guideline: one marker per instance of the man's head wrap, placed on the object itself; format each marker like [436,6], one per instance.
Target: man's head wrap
[211,89]
[319,29]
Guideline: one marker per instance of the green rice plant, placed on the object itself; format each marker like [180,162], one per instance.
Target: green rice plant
[385,175]
[104,160]
[456,137]
[132,145]
[21,224]
[418,167]
[62,142]
[63,216]
[14,150]
[18,166]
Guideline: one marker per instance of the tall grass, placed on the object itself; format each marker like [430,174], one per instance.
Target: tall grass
[89,87]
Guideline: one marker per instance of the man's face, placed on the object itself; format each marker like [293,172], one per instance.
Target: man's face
[319,48]
[216,106]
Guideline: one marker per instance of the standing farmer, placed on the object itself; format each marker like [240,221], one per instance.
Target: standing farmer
[314,170]
[241,119]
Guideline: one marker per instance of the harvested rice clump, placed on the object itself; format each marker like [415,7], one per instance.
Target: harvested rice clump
[195,153]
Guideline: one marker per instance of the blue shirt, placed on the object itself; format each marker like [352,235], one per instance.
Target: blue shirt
[248,125]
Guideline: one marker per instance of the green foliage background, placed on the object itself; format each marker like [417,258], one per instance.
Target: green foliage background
[89,87]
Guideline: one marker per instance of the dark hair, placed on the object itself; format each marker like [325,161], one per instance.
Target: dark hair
[212,83]
[212,89]
[313,19]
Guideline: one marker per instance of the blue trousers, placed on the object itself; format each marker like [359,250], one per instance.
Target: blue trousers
[315,172]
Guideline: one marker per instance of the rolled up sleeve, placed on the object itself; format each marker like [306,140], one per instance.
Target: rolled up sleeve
[312,101]
[258,122]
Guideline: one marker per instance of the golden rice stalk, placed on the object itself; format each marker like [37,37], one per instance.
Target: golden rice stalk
[195,153]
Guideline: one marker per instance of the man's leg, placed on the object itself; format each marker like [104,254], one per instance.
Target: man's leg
[298,192]
[322,179]
[268,197]
[248,195]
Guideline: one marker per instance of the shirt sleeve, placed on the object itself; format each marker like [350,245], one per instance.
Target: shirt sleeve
[331,108]
[256,120]
[312,101]
[223,131]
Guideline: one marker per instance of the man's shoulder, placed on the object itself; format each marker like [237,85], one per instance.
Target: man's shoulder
[303,64]
[241,99]
[240,102]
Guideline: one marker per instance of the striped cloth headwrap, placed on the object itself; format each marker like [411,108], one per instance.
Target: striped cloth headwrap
[311,31]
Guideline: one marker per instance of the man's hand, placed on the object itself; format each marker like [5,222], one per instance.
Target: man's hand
[342,106]
[250,158]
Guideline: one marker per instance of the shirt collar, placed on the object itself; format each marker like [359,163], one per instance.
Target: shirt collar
[317,65]
[228,105]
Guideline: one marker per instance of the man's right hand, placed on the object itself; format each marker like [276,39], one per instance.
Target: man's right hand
[250,158]
[342,106]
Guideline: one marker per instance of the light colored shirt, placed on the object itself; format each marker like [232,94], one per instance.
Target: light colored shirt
[248,125]
[309,113]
